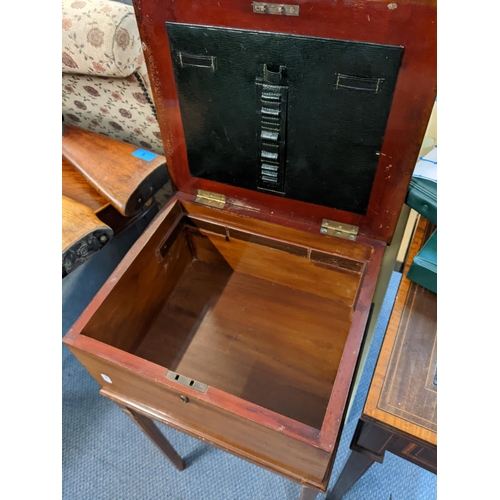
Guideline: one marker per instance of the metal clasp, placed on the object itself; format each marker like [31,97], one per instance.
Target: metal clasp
[188,382]
[275,8]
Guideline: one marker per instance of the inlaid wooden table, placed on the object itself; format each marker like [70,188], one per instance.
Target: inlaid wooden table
[400,412]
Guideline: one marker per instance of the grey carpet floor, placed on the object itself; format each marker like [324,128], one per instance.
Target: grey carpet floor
[105,456]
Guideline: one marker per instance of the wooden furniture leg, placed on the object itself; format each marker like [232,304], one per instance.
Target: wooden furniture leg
[368,445]
[308,493]
[154,434]
[357,464]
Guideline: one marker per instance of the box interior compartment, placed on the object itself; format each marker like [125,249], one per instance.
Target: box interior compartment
[260,318]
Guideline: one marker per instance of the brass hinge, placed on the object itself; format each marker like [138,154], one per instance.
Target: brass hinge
[210,199]
[347,231]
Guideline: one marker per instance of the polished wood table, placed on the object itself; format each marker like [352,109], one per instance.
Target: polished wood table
[400,412]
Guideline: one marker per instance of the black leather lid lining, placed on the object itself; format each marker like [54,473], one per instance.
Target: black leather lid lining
[295,116]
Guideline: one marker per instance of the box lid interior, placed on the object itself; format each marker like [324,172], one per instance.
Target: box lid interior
[287,120]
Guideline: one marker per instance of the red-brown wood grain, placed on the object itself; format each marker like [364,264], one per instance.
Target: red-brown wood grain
[318,459]
[76,187]
[157,293]
[408,23]
[99,317]
[341,390]
[407,360]
[112,169]
[108,335]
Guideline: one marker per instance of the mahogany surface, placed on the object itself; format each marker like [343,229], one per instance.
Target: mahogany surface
[308,350]
[407,23]
[237,316]
[403,392]
[400,412]
[214,423]
[261,341]
[176,302]
[112,169]
[76,187]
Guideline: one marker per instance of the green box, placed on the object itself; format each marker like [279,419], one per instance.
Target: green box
[423,269]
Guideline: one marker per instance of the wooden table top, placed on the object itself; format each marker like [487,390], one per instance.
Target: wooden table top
[403,391]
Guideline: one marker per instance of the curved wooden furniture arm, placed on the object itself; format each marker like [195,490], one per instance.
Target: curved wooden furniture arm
[76,187]
[126,175]
[83,234]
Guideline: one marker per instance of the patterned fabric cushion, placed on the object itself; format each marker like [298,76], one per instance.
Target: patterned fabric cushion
[116,107]
[100,37]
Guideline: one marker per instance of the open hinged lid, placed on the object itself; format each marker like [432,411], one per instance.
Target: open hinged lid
[309,110]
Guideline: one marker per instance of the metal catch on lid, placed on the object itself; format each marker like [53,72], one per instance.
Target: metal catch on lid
[279,9]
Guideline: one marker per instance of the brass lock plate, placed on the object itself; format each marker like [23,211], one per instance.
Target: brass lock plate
[278,9]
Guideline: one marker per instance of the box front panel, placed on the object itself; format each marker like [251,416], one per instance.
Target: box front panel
[297,116]
[240,436]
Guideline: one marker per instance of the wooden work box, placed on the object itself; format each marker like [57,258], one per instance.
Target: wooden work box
[291,132]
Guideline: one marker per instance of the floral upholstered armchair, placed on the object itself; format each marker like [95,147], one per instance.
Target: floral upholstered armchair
[105,85]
